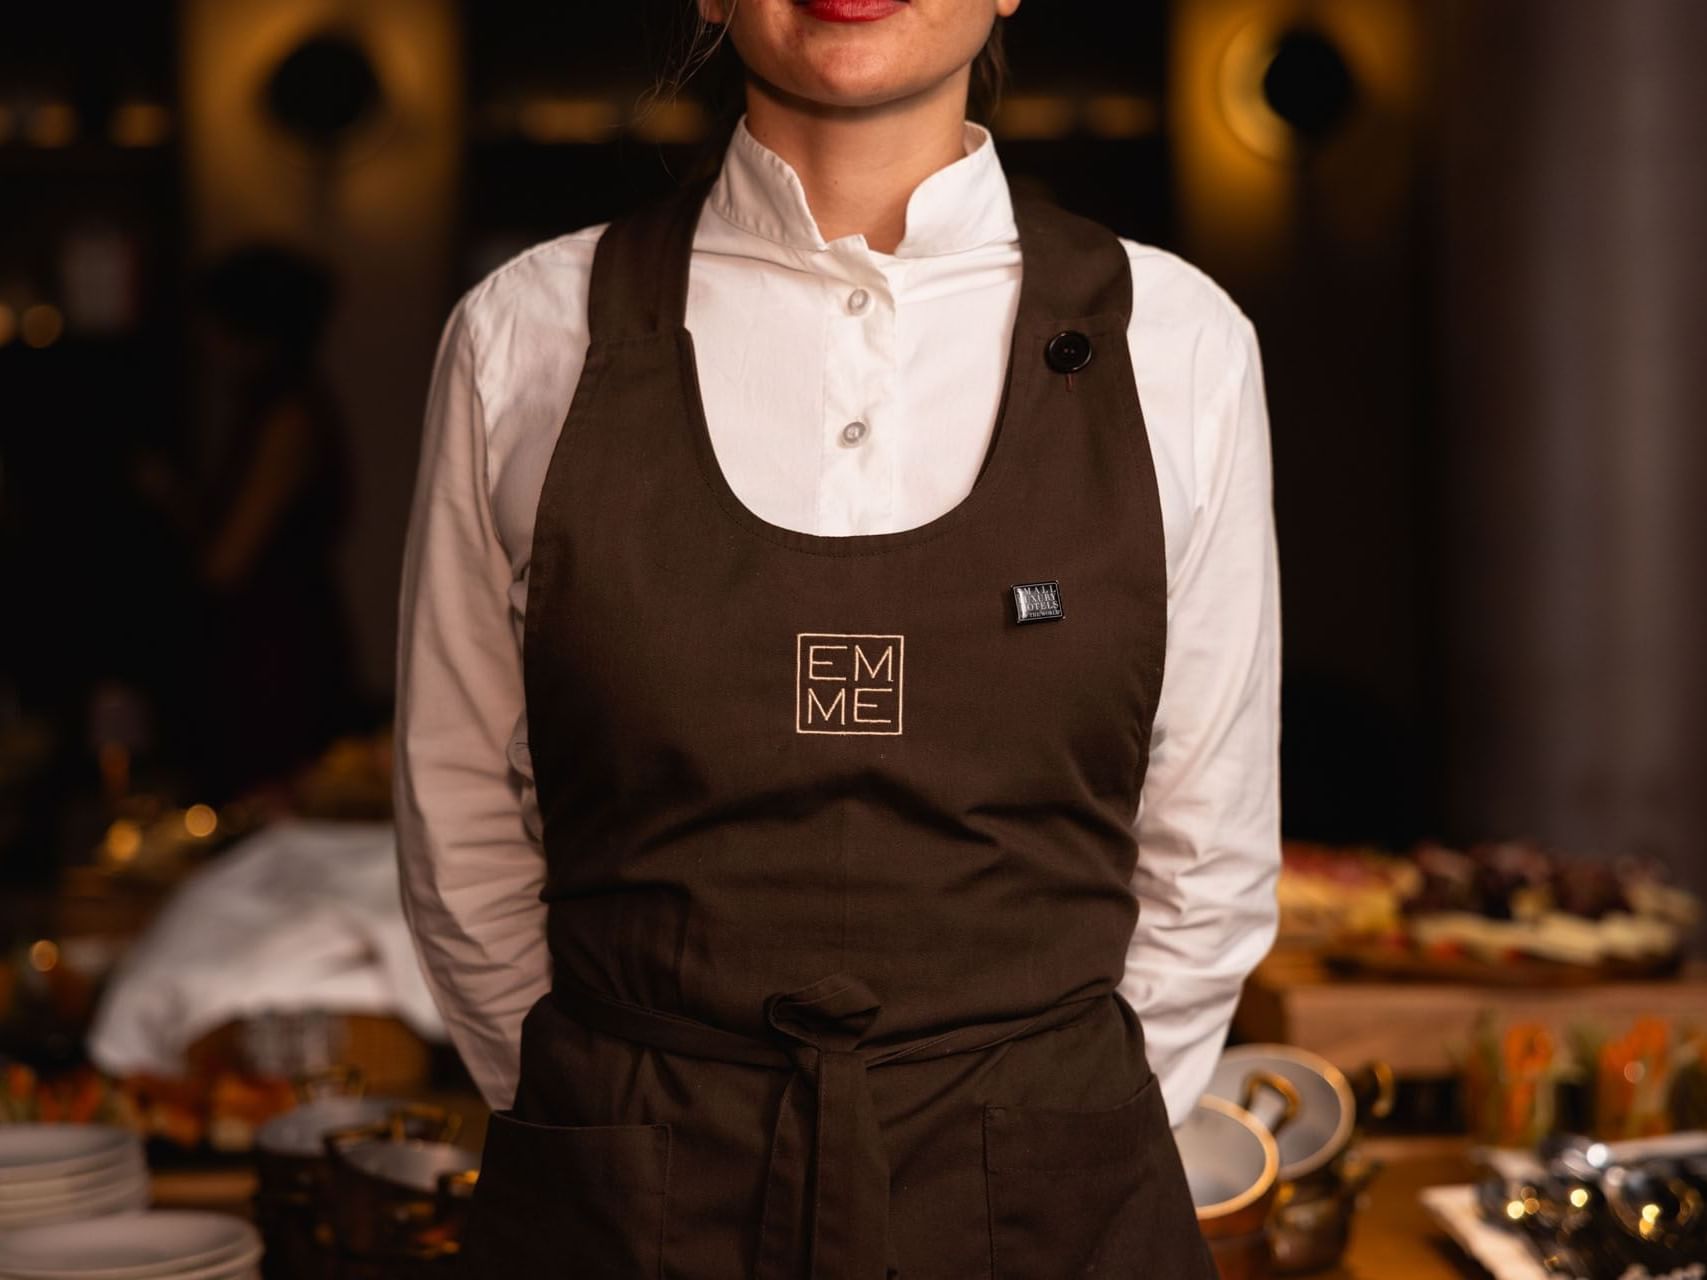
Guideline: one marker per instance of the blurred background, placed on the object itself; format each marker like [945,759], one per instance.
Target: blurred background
[1469,233]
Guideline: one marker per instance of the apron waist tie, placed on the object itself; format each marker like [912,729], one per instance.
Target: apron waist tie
[827,1189]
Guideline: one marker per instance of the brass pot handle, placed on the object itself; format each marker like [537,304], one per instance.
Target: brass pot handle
[335,1140]
[1261,1077]
[457,1184]
[441,1122]
[1375,1078]
[1362,1176]
[343,1078]
[1387,1089]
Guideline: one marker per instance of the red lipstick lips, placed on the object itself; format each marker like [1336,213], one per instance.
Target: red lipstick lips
[850,10]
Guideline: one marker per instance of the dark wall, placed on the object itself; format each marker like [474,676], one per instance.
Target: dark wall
[1572,304]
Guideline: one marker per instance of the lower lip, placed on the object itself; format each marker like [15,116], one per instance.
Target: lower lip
[852,10]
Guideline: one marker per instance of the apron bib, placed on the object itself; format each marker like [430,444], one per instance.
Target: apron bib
[838,832]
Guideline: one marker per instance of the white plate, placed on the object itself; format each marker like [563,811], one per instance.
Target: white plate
[241,1270]
[32,1151]
[231,1268]
[1503,1253]
[239,1266]
[128,1200]
[13,1194]
[132,1245]
[106,1186]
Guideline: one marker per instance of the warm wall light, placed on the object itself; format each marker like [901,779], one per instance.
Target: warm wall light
[51,124]
[325,89]
[1038,115]
[140,124]
[381,208]
[42,325]
[1284,88]
[1244,106]
[1258,87]
[1121,115]
[682,120]
[200,821]
[568,119]
[123,842]
[8,324]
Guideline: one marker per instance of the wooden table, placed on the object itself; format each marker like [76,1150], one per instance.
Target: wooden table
[1392,1237]
[229,1189]
[221,1190]
[1419,1028]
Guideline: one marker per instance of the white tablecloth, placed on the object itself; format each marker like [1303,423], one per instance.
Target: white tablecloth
[300,916]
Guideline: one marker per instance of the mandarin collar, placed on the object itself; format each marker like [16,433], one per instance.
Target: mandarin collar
[964,205]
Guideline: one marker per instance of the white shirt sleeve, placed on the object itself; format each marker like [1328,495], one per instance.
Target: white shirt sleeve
[471,867]
[1208,821]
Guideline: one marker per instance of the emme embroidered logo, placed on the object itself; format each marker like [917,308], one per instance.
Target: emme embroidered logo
[847,683]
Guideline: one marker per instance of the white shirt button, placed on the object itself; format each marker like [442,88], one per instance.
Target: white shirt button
[858,301]
[854,432]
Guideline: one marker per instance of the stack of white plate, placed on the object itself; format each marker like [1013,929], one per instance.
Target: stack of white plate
[58,1172]
[160,1244]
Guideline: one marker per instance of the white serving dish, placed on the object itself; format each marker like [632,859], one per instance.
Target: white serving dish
[179,1244]
[30,1152]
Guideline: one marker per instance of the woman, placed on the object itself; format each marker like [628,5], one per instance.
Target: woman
[789,590]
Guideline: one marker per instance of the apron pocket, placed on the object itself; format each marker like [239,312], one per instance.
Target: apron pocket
[576,1200]
[1089,1193]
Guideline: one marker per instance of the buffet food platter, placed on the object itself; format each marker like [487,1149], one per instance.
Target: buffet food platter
[1506,1257]
[1497,914]
[1463,1210]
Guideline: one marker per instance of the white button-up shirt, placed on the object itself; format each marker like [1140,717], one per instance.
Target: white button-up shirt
[847,391]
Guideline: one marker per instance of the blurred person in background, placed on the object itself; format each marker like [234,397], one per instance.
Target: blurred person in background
[264,520]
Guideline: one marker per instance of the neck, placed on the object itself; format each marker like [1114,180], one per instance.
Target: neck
[859,165]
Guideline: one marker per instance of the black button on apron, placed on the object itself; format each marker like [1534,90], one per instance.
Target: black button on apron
[1068,351]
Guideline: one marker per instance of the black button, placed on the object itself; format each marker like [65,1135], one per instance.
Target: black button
[1068,351]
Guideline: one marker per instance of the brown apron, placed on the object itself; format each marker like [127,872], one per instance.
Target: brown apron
[838,832]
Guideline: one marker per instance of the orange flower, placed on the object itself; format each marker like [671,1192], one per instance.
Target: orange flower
[20,1081]
[1528,1048]
[1650,1036]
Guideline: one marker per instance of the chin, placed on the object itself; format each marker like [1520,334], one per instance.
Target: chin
[852,79]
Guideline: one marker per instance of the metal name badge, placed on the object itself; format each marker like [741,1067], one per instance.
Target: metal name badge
[1037,602]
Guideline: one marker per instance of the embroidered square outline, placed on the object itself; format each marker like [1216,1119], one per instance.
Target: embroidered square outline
[848,682]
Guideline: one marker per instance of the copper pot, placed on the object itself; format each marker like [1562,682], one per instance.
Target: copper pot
[1233,1166]
[1319,1180]
[1311,1225]
[291,1169]
[395,1197]
[294,1171]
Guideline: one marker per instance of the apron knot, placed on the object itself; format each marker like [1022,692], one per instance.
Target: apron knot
[826,1198]
[833,1013]
[827,1193]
